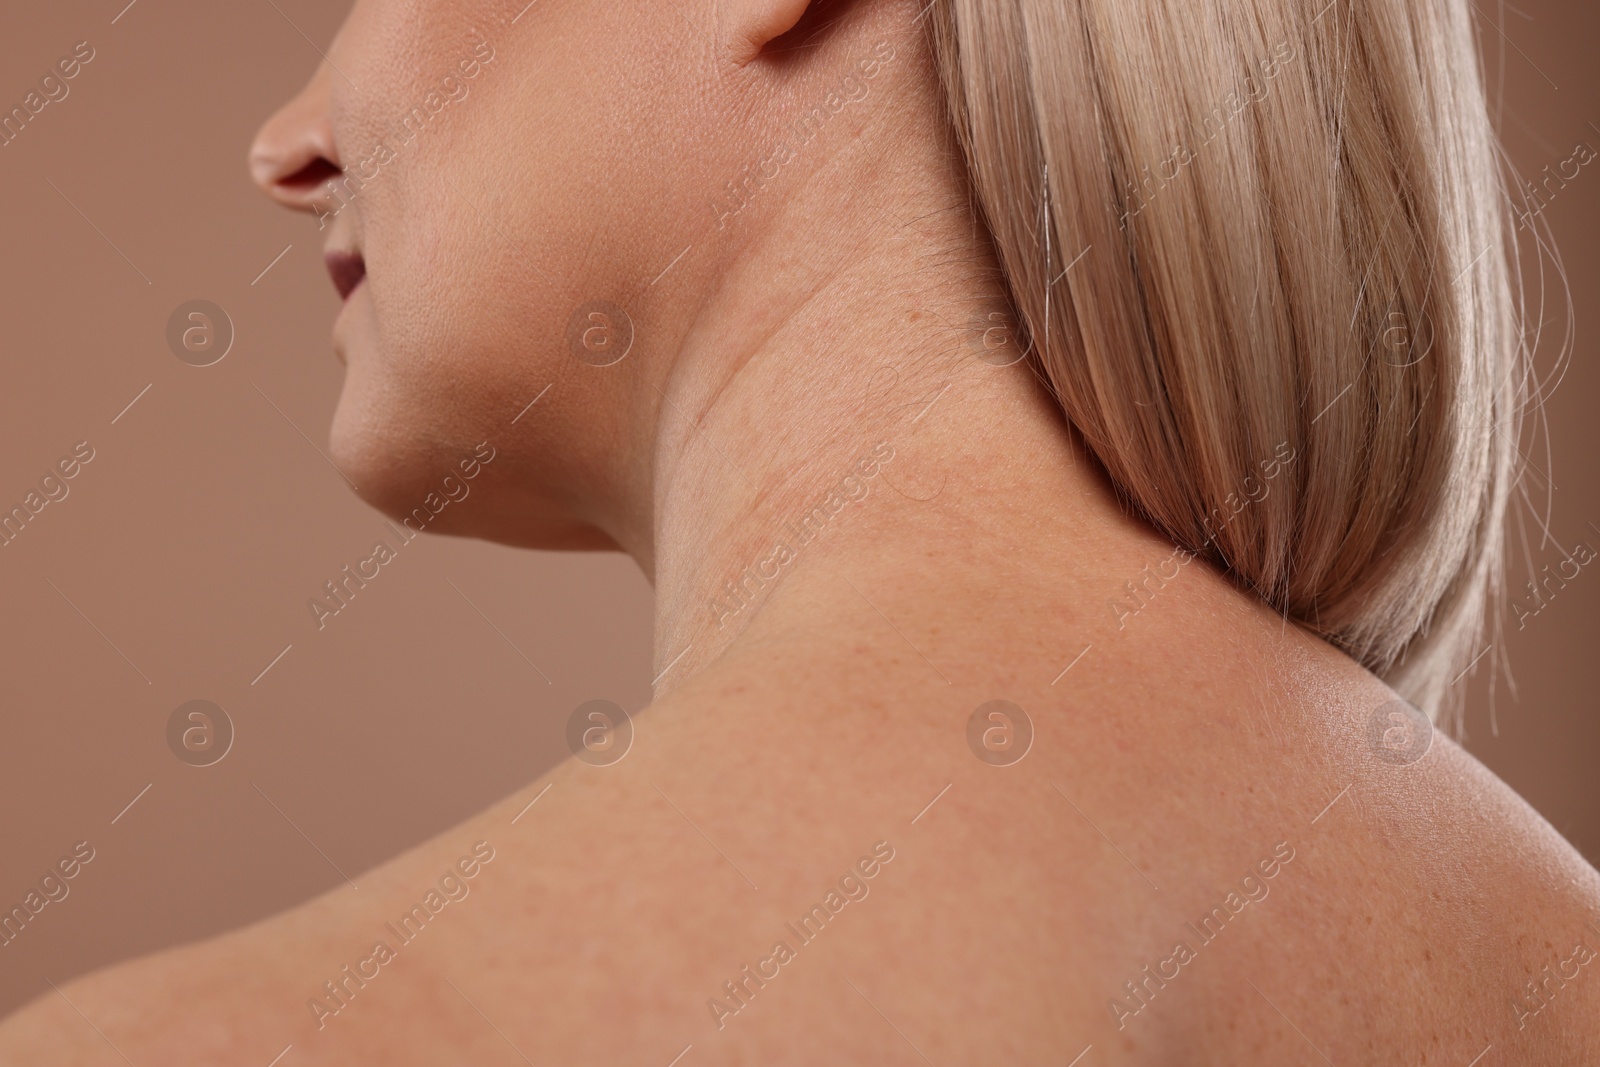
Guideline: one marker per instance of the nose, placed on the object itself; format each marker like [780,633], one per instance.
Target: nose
[294,152]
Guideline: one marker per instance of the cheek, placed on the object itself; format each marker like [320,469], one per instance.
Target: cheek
[396,402]
[443,349]
[453,314]
[557,182]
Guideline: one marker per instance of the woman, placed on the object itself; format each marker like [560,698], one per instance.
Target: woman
[1069,440]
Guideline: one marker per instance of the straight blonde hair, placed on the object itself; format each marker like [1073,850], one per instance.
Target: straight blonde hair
[1236,231]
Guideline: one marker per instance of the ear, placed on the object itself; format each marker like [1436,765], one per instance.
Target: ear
[753,23]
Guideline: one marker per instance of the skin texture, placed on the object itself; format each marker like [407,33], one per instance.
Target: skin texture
[1186,745]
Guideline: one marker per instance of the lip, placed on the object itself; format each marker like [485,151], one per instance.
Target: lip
[347,269]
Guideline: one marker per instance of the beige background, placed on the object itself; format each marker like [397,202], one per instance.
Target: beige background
[180,564]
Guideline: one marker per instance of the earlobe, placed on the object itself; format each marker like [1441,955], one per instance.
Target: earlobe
[754,23]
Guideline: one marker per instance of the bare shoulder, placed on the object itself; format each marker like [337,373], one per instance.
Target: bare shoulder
[1513,906]
[764,873]
[765,869]
[1414,909]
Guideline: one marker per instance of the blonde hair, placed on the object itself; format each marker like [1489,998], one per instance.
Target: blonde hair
[1235,230]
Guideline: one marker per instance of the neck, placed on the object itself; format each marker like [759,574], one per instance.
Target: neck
[838,414]
[866,428]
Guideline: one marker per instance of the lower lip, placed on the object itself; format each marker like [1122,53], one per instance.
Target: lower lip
[345,301]
[341,266]
[338,320]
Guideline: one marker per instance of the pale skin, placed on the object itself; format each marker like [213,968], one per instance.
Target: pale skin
[1177,750]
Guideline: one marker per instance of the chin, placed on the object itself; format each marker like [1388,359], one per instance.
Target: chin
[436,484]
[389,464]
